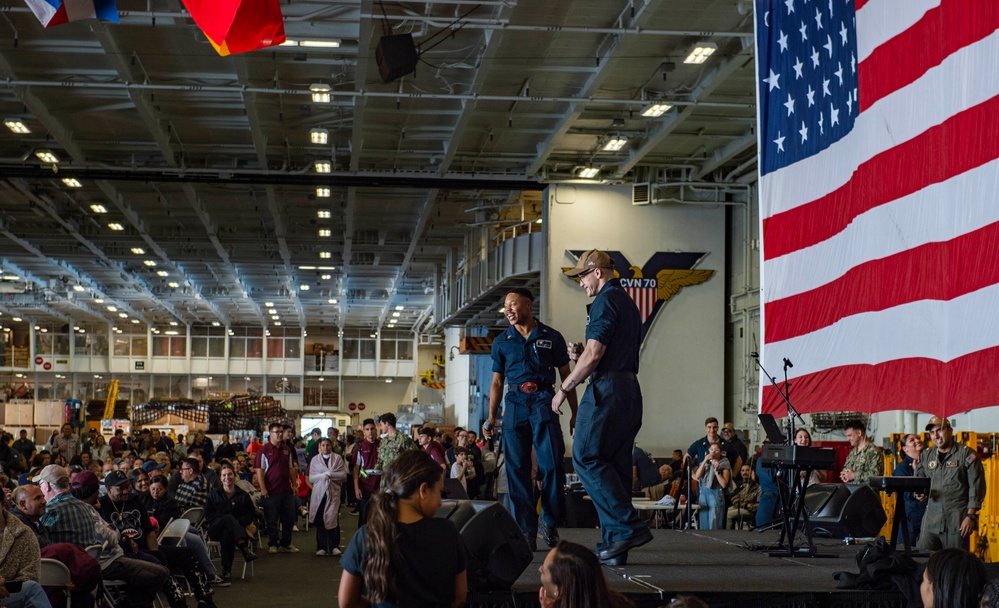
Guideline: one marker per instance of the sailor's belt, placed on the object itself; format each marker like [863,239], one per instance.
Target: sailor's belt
[529,388]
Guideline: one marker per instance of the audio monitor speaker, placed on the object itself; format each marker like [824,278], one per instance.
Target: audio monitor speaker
[497,551]
[838,510]
[396,56]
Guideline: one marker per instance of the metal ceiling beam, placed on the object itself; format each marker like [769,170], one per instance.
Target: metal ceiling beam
[707,85]
[482,72]
[726,153]
[604,52]
[365,31]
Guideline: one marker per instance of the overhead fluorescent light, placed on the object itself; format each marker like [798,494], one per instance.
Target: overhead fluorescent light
[326,277]
[98,208]
[275,317]
[332,300]
[320,44]
[17,126]
[112,309]
[272,311]
[589,172]
[319,136]
[320,93]
[149,263]
[116,226]
[173,284]
[399,308]
[269,304]
[615,143]
[397,314]
[138,250]
[71,182]
[170,332]
[326,232]
[123,315]
[174,323]
[323,166]
[303,287]
[306,267]
[327,268]
[78,287]
[135,321]
[701,52]
[656,110]
[162,273]
[98,300]
[322,192]
[323,214]
[325,255]
[46,156]
[276,323]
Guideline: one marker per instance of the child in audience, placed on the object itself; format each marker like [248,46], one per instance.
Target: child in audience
[403,555]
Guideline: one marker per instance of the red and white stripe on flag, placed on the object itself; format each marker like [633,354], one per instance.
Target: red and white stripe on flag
[645,298]
[880,273]
[57,12]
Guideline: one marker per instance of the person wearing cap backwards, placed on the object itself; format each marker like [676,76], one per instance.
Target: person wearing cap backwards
[525,358]
[957,488]
[610,412]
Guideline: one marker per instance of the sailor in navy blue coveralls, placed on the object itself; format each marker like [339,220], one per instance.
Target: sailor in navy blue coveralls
[610,412]
[525,358]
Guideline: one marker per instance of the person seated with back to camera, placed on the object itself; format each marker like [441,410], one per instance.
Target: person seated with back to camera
[403,555]
[571,577]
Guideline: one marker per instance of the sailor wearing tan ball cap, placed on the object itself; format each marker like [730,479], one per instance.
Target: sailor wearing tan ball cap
[957,488]
[610,412]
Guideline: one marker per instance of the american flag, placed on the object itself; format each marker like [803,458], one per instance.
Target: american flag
[58,12]
[645,293]
[879,140]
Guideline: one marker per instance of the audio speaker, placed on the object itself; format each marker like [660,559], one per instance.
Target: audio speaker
[838,510]
[497,551]
[396,56]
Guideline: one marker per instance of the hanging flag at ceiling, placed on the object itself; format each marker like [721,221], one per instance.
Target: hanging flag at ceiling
[238,26]
[878,171]
[57,12]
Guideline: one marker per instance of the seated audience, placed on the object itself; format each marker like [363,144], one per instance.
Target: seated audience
[746,500]
[228,512]
[193,489]
[19,565]
[803,438]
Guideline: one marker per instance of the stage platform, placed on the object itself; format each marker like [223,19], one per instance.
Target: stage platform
[718,567]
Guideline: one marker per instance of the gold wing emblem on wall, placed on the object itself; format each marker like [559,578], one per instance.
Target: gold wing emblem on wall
[670,282]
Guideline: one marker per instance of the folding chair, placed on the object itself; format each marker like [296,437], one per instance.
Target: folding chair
[195,515]
[173,534]
[53,573]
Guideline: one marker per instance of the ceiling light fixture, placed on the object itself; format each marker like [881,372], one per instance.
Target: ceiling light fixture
[614,143]
[17,126]
[98,300]
[323,166]
[149,263]
[320,93]
[46,156]
[98,208]
[588,172]
[135,321]
[72,182]
[138,251]
[116,226]
[303,287]
[397,314]
[77,287]
[112,309]
[272,311]
[123,315]
[656,110]
[399,308]
[326,277]
[162,273]
[269,304]
[332,300]
[323,214]
[174,323]
[306,267]
[319,136]
[320,44]
[173,284]
[325,255]
[325,232]
[700,53]
[322,192]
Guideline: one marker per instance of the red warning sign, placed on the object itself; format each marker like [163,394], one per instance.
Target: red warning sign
[352,407]
[38,360]
[47,366]
[360,406]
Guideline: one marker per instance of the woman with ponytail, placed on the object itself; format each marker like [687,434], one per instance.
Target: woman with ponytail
[403,557]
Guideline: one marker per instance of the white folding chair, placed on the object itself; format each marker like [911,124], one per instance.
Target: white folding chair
[173,534]
[195,515]
[53,573]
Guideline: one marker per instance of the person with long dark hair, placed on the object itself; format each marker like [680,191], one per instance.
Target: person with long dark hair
[403,556]
[953,578]
[571,577]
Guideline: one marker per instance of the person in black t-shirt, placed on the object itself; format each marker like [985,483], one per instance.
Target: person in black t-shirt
[431,571]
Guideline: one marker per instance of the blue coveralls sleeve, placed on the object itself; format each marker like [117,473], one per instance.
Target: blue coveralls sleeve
[603,318]
[499,365]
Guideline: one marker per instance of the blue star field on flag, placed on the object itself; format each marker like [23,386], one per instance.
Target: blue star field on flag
[807,62]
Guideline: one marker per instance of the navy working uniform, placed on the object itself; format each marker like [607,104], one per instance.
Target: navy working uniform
[610,414]
[528,367]
[957,484]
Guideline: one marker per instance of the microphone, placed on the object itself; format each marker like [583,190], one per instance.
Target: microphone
[787,362]
[756,355]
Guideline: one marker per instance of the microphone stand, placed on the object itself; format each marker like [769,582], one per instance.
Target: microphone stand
[794,486]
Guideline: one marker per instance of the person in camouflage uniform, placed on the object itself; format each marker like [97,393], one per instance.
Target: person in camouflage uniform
[865,459]
[392,443]
[957,488]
